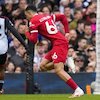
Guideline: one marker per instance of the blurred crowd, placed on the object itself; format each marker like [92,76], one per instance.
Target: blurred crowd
[81,15]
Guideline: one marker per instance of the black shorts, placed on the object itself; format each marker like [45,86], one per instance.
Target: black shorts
[3,58]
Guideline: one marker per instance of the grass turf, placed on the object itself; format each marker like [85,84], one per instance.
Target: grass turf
[47,97]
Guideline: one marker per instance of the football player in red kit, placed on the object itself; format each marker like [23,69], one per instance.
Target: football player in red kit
[56,57]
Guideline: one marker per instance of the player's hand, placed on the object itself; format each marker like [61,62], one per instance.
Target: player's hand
[67,36]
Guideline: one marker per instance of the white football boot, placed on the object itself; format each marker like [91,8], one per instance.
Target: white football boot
[77,93]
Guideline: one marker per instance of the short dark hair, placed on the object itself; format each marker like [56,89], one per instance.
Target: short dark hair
[45,5]
[92,15]
[87,24]
[80,21]
[31,7]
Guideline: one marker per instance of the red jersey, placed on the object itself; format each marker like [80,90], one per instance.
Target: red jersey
[45,25]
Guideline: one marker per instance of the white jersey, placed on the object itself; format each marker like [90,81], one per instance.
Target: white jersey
[3,37]
[2,28]
[5,25]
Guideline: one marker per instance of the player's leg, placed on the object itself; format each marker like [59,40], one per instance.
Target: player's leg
[59,70]
[46,65]
[2,70]
[59,57]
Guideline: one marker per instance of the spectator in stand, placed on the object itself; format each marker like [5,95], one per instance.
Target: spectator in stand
[63,3]
[90,9]
[10,67]
[18,70]
[46,44]
[94,40]
[56,10]
[80,63]
[19,12]
[73,38]
[21,28]
[68,14]
[94,6]
[1,10]
[77,16]
[88,32]
[93,22]
[89,69]
[8,8]
[38,56]
[91,56]
[46,9]
[78,4]
[19,58]
[80,29]
[50,3]
[70,60]
[82,45]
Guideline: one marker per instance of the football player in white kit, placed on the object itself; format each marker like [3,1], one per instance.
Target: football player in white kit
[5,25]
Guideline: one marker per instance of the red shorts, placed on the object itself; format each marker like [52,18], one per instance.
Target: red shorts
[58,53]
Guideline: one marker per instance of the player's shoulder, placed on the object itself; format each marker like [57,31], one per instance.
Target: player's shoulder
[35,18]
[39,18]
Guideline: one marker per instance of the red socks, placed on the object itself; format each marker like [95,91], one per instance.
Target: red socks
[72,84]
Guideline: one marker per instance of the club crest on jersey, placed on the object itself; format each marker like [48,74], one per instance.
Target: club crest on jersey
[54,56]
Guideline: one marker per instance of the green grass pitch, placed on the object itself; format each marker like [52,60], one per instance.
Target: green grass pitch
[47,97]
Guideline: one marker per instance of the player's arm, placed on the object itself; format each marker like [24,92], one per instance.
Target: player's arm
[32,33]
[10,27]
[64,21]
[62,18]
[32,36]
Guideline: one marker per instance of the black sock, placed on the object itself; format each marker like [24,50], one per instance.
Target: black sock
[1,84]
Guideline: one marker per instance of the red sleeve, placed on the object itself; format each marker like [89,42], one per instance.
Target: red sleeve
[32,35]
[62,18]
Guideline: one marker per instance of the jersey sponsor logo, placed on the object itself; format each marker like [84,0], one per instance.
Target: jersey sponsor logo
[54,56]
